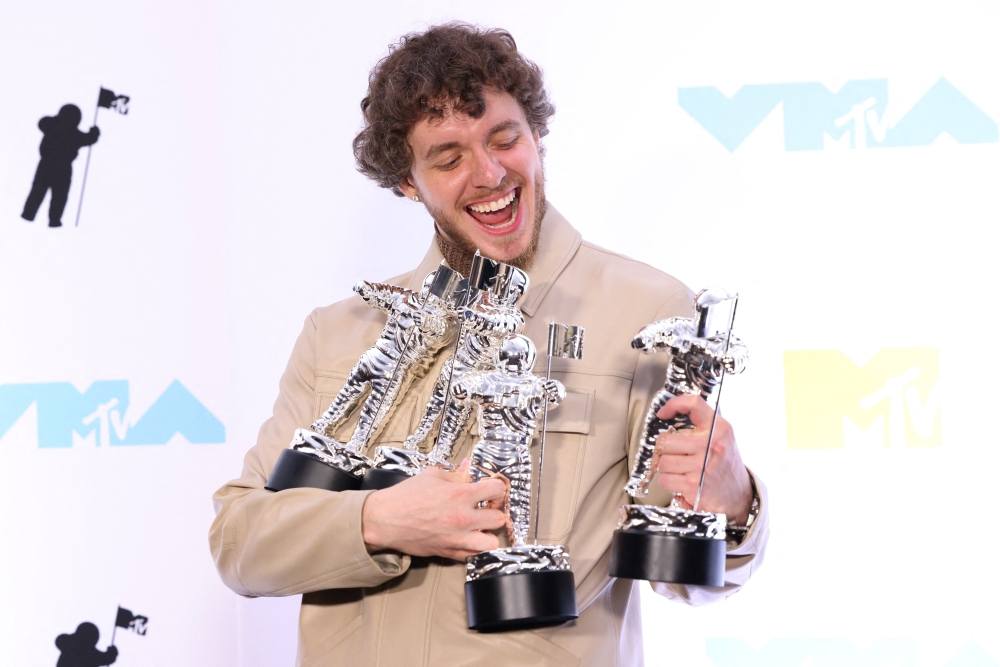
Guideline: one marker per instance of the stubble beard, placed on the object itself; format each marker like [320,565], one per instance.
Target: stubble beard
[459,249]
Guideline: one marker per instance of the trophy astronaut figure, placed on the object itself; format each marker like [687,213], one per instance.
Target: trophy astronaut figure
[419,325]
[490,318]
[679,544]
[698,358]
[523,585]
[510,400]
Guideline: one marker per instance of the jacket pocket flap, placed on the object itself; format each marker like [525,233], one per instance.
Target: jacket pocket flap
[573,414]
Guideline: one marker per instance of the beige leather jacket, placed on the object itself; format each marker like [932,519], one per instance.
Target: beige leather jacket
[394,610]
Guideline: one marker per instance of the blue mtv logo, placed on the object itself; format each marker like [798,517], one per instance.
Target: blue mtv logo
[816,118]
[63,411]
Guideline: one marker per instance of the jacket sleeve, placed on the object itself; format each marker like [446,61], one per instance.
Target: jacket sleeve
[298,540]
[741,559]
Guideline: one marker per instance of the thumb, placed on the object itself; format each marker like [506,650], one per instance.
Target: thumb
[462,471]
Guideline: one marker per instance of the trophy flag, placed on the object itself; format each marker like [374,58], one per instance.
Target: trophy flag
[108,100]
[565,341]
[126,619]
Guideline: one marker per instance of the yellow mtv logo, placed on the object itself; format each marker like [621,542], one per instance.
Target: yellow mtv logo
[891,401]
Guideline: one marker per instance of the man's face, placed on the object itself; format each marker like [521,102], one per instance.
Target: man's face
[481,179]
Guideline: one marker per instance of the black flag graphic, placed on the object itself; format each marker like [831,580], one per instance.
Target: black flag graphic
[109,100]
[126,619]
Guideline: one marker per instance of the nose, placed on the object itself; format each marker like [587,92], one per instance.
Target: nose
[488,172]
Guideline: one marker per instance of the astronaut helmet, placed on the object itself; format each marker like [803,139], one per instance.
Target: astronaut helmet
[516,354]
[425,289]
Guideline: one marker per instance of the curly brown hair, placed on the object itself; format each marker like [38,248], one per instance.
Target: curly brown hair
[425,74]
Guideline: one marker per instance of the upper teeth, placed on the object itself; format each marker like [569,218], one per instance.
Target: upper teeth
[494,205]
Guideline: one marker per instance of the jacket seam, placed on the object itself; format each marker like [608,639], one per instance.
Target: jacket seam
[381,627]
[327,577]
[584,370]
[428,626]
[612,253]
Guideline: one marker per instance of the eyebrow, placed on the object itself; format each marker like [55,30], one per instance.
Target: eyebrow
[437,149]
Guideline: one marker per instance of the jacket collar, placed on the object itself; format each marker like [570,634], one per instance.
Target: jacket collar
[557,244]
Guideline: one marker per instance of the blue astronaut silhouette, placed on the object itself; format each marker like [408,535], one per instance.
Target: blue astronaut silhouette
[60,146]
[80,648]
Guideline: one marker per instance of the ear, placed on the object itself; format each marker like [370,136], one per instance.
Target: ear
[407,187]
[538,143]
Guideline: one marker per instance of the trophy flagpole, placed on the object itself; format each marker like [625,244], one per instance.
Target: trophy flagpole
[475,277]
[545,422]
[715,414]
[673,544]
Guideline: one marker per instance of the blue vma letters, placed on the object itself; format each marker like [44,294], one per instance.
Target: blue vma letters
[816,118]
[99,413]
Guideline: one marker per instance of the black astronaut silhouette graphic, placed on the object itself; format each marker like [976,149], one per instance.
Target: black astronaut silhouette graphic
[60,145]
[80,648]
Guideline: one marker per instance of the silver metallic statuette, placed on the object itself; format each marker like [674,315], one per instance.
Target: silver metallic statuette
[523,585]
[698,360]
[510,401]
[490,314]
[418,326]
[676,544]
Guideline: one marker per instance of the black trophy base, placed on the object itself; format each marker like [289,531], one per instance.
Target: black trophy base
[382,478]
[521,601]
[639,554]
[295,470]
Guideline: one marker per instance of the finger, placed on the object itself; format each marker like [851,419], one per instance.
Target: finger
[436,473]
[478,541]
[487,519]
[685,484]
[459,475]
[693,406]
[487,489]
[678,465]
[688,443]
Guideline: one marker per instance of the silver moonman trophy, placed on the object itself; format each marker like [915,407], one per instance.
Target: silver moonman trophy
[524,585]
[489,312]
[674,544]
[419,325]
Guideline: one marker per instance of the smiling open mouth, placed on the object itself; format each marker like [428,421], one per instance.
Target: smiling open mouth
[498,215]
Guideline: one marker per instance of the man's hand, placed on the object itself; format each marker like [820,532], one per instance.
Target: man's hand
[727,482]
[434,513]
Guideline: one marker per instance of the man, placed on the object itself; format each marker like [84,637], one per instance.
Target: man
[453,120]
[60,145]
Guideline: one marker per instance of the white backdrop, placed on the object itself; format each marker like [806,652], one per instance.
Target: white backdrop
[218,211]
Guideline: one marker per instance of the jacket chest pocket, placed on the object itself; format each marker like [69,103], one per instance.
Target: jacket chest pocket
[562,470]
